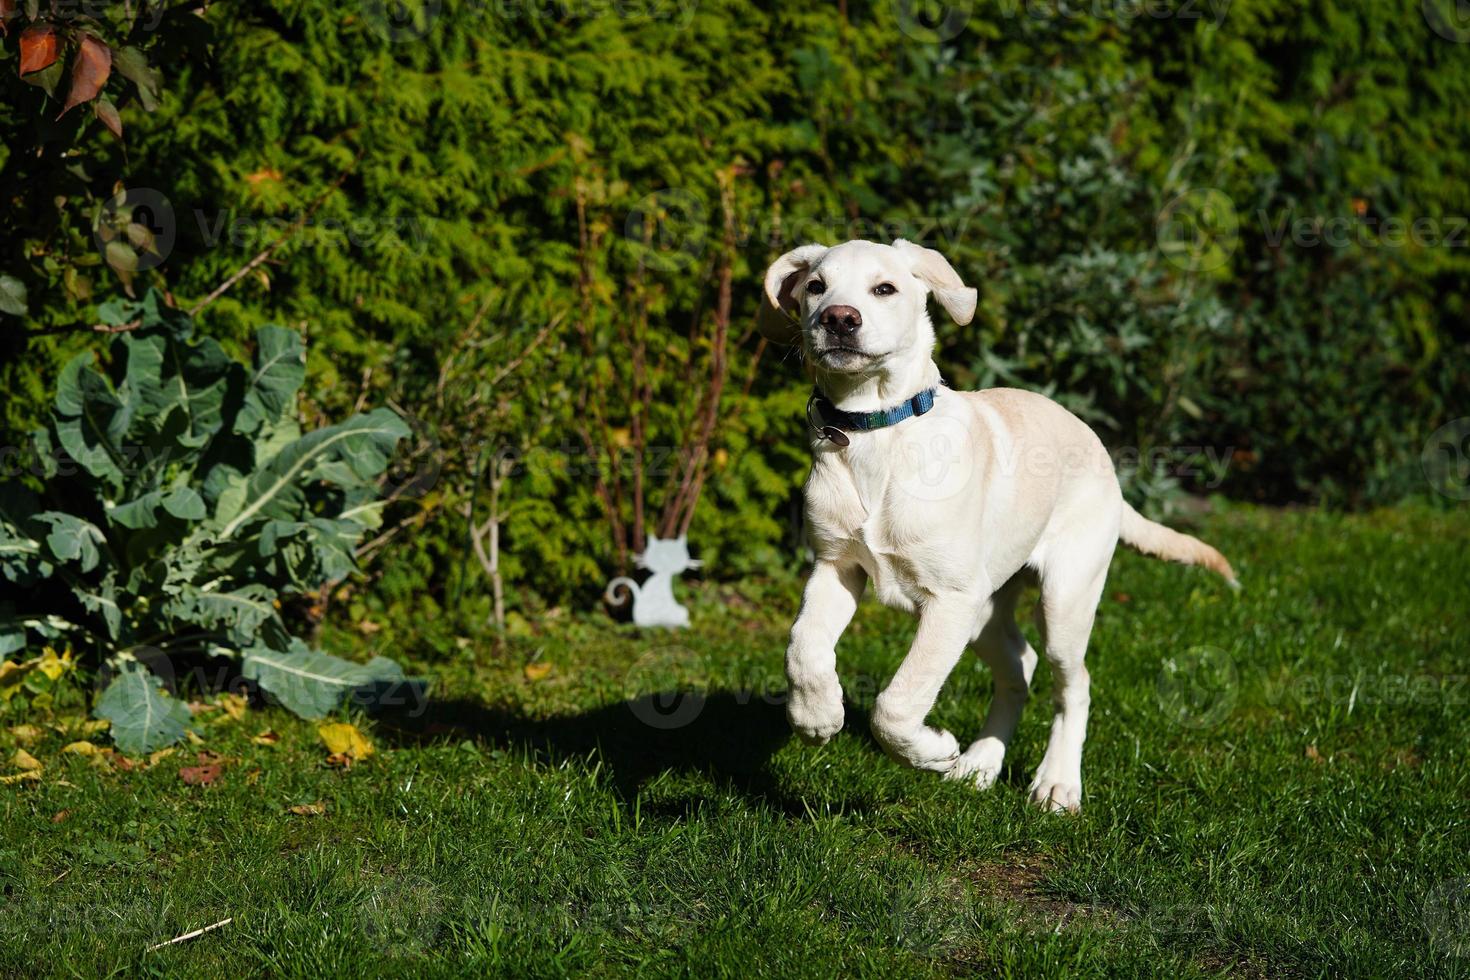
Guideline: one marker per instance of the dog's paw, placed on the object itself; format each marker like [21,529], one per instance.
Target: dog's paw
[933,750]
[1057,795]
[980,763]
[815,715]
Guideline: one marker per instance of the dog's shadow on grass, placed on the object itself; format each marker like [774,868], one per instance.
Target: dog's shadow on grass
[729,737]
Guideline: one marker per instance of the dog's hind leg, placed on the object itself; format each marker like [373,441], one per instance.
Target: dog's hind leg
[1012,662]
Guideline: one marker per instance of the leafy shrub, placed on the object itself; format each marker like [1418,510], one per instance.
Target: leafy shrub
[179,501]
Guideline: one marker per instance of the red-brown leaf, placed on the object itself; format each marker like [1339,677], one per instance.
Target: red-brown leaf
[7,11]
[200,775]
[107,112]
[89,71]
[38,48]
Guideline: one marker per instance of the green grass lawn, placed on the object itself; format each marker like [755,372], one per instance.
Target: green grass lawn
[1276,785]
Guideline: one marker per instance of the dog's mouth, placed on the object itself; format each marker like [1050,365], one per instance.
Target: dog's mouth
[838,354]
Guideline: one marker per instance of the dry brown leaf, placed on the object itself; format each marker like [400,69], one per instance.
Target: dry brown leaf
[89,72]
[108,115]
[38,48]
[1313,754]
[200,775]
[60,816]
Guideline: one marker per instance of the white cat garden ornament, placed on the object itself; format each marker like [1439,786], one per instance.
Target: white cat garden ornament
[653,602]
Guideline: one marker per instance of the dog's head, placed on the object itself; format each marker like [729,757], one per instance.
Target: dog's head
[856,306]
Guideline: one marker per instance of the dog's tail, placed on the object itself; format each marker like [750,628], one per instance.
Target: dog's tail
[1143,535]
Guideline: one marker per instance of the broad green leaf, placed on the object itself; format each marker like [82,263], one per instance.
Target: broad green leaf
[20,551]
[227,487]
[276,375]
[240,612]
[91,420]
[12,296]
[143,718]
[183,503]
[197,379]
[139,513]
[72,539]
[12,631]
[273,437]
[309,682]
[103,599]
[366,442]
[142,382]
[133,65]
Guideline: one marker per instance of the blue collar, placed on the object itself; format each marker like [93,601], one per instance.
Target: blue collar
[833,423]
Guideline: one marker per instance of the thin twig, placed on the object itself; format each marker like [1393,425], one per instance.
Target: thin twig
[517,361]
[190,935]
[274,246]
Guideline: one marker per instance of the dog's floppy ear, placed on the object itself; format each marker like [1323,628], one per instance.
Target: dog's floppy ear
[777,319]
[934,271]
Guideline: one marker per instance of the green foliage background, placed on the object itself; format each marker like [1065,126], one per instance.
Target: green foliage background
[496,177]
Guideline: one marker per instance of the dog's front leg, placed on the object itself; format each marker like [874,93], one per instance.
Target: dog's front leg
[946,624]
[814,701]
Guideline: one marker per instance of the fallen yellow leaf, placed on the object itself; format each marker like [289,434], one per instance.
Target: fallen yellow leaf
[81,748]
[24,760]
[266,737]
[317,809]
[234,705]
[194,738]
[26,734]
[157,757]
[537,671]
[343,739]
[95,726]
[28,774]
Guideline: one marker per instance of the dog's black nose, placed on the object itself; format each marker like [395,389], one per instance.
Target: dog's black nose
[841,321]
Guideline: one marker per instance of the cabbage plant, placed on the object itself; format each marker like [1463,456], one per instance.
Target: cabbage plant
[172,502]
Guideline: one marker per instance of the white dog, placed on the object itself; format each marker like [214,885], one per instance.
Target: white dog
[950,502]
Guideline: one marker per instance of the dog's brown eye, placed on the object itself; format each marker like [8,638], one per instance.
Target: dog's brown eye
[816,286]
[884,289]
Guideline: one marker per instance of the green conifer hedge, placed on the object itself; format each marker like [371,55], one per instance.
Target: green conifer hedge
[1230,233]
